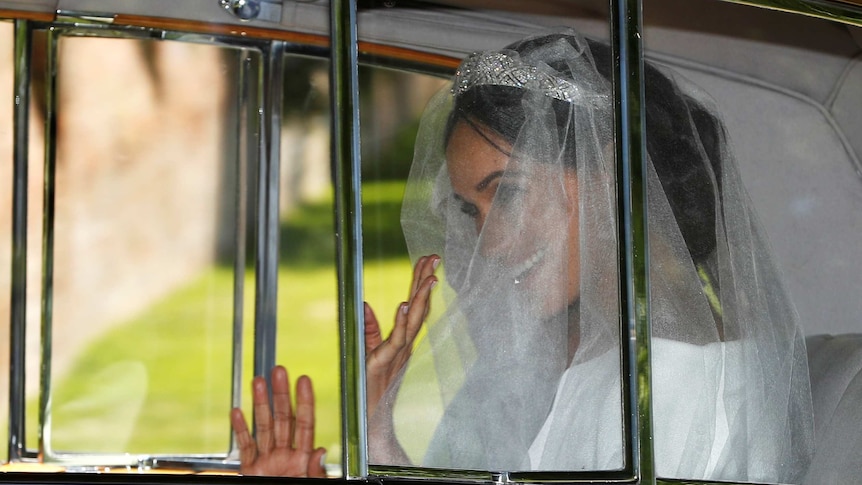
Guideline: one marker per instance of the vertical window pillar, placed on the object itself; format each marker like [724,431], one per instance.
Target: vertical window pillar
[348,228]
[18,324]
[633,248]
[267,210]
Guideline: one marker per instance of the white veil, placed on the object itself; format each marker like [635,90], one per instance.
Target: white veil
[523,337]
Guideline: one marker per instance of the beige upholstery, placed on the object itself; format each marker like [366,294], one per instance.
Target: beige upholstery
[835,364]
[789,88]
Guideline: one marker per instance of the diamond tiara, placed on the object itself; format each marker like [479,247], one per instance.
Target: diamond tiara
[500,69]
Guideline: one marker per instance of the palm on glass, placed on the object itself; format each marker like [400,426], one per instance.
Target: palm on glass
[385,359]
[284,441]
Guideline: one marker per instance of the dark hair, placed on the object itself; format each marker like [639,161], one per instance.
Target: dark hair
[675,149]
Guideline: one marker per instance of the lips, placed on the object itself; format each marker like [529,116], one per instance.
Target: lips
[527,265]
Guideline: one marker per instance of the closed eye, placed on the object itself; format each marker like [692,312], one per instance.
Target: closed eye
[470,209]
[467,207]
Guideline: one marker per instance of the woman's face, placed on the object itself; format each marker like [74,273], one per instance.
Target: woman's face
[525,212]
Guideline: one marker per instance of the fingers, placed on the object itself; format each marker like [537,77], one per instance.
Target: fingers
[315,463]
[417,276]
[373,339]
[411,314]
[418,306]
[386,359]
[262,415]
[285,440]
[398,336]
[304,438]
[282,412]
[425,267]
[244,441]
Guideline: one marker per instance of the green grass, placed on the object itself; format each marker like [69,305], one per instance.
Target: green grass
[160,382]
[157,383]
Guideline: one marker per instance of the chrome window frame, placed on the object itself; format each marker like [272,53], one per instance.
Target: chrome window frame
[257,85]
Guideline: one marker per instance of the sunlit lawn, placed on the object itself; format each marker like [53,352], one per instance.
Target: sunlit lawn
[160,383]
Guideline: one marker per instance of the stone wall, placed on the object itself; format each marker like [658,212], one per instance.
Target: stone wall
[140,147]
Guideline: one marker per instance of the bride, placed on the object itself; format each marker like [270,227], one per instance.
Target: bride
[512,200]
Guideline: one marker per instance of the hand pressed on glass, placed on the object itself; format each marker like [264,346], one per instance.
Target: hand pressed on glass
[384,359]
[285,440]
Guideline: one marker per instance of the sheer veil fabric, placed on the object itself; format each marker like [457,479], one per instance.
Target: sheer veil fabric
[519,368]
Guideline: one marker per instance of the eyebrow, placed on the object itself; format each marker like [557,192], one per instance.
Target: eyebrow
[483,184]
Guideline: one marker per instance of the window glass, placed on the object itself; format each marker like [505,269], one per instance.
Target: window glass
[144,248]
[509,211]
[391,101]
[753,184]
[7,71]
[391,104]
[758,102]
[308,341]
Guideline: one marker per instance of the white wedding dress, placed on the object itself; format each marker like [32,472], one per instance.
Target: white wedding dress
[688,383]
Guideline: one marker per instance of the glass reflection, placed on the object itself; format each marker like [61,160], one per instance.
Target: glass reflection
[143,274]
[308,342]
[308,332]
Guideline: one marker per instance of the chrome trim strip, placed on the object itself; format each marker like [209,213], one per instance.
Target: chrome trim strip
[626,22]
[266,290]
[49,193]
[245,157]
[348,230]
[18,304]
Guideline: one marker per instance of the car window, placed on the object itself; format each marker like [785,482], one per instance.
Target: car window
[785,72]
[144,232]
[307,339]
[141,347]
[307,335]
[448,367]
[182,236]
[775,87]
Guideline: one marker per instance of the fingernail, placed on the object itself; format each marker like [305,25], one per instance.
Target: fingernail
[323,461]
[405,308]
[436,263]
[433,284]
